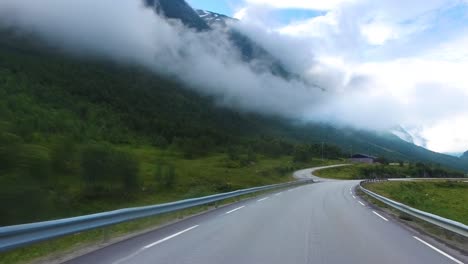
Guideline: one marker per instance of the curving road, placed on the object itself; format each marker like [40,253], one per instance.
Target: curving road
[318,223]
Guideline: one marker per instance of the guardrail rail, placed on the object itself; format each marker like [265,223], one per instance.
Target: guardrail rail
[444,223]
[12,237]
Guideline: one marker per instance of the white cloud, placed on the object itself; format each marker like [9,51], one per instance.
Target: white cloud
[380,63]
[449,135]
[378,34]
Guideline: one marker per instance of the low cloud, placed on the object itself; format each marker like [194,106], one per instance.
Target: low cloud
[130,32]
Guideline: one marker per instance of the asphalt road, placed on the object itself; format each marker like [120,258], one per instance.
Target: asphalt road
[319,223]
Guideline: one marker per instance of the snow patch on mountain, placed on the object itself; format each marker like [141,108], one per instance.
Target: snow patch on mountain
[214,19]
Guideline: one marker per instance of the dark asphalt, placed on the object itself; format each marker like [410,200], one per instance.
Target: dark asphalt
[317,223]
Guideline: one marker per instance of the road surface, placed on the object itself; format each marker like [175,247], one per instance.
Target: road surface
[318,223]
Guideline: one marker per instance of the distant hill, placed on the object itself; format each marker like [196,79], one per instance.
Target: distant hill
[464,156]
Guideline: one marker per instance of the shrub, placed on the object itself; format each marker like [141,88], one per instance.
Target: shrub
[126,168]
[165,176]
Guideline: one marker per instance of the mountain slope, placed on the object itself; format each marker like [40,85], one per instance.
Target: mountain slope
[92,100]
[204,20]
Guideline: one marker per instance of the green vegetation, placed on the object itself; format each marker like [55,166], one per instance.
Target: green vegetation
[84,136]
[444,198]
[342,173]
[382,171]
[81,136]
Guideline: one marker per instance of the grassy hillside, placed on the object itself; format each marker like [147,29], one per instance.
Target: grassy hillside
[367,171]
[447,199]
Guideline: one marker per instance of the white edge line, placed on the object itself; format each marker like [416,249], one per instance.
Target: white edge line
[169,237]
[354,197]
[278,193]
[263,199]
[362,203]
[438,250]
[233,210]
[377,214]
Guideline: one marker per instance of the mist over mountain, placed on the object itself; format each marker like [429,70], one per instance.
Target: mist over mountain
[250,51]
[243,67]
[410,135]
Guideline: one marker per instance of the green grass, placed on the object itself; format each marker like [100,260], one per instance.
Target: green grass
[342,173]
[443,198]
[376,171]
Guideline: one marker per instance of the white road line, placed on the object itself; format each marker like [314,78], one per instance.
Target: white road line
[354,197]
[361,203]
[377,214]
[278,194]
[169,237]
[233,210]
[438,250]
[263,199]
[151,245]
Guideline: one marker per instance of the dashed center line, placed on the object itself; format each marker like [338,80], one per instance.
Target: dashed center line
[263,199]
[233,210]
[362,203]
[438,250]
[377,214]
[354,197]
[127,258]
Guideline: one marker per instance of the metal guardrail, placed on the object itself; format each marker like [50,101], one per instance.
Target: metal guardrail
[445,223]
[12,237]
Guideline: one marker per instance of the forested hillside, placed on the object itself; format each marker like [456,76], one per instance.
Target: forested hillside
[85,135]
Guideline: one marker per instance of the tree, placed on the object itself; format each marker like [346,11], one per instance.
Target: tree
[108,171]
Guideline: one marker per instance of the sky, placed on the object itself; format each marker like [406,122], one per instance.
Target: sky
[415,52]
[369,64]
